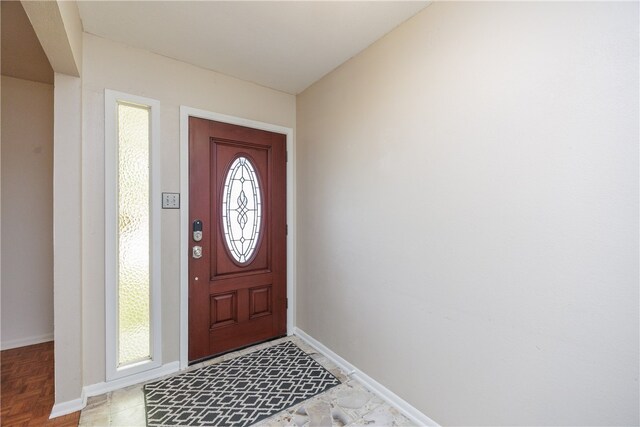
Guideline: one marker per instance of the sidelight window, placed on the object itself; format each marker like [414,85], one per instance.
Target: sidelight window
[132,244]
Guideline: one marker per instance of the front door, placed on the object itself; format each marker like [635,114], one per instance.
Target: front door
[237,237]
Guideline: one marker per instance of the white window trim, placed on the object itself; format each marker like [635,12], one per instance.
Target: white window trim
[111,100]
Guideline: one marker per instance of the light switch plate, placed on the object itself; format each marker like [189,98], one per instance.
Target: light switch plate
[170,200]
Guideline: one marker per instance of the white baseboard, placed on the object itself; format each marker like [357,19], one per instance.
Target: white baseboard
[68,407]
[411,412]
[64,408]
[152,374]
[22,342]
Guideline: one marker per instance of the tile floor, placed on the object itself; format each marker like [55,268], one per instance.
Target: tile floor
[349,404]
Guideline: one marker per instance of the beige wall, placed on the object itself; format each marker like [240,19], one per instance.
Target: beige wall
[115,66]
[68,252]
[27,212]
[468,212]
[58,28]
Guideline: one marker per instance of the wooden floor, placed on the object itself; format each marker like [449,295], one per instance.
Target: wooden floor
[27,390]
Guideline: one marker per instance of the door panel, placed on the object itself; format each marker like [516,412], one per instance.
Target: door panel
[237,289]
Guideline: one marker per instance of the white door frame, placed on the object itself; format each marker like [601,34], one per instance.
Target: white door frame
[185,113]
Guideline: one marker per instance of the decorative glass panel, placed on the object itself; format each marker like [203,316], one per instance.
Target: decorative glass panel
[133,237]
[241,209]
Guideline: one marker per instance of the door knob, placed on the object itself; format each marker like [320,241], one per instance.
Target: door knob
[196,252]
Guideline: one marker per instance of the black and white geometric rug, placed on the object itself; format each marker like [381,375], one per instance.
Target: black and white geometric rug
[237,392]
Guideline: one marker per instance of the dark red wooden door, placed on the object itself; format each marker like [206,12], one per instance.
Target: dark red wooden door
[237,283]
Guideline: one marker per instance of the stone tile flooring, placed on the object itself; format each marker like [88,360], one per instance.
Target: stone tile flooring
[349,404]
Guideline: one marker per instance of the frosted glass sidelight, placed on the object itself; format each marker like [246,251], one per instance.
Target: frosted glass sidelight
[134,337]
[241,209]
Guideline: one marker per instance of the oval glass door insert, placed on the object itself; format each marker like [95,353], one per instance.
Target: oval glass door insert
[241,209]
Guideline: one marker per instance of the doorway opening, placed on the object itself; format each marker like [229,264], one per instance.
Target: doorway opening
[220,308]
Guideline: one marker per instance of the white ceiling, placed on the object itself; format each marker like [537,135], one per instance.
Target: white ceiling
[285,45]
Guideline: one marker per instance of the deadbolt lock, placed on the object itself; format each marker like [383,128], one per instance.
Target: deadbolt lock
[197,230]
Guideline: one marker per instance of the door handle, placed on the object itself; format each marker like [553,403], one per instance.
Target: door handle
[196,252]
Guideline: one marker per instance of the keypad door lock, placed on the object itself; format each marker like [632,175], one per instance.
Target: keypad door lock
[196,252]
[197,230]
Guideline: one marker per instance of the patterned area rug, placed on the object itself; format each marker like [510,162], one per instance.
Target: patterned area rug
[237,392]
